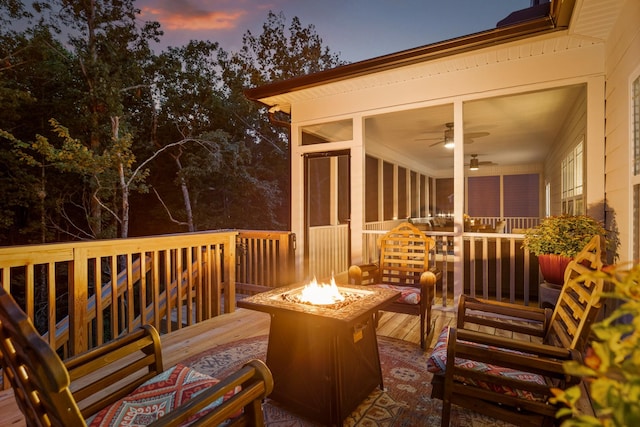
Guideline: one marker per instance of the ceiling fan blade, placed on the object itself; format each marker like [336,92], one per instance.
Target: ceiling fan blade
[475,134]
[435,138]
[437,143]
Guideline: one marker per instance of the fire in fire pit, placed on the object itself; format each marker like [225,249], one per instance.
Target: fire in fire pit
[321,294]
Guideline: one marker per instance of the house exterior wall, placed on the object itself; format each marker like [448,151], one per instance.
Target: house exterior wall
[622,63]
[606,63]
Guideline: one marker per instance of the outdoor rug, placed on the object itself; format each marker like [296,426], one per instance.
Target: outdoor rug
[405,401]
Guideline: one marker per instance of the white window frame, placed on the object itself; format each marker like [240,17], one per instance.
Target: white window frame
[634,154]
[573,180]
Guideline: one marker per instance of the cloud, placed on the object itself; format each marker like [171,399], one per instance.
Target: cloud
[187,15]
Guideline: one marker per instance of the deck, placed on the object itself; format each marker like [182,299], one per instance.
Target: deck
[184,343]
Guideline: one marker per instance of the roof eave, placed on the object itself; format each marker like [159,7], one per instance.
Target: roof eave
[557,20]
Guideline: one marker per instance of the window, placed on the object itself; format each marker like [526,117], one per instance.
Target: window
[635,123]
[635,179]
[572,181]
[547,199]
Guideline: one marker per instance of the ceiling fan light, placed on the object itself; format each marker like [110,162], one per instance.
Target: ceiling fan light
[448,138]
[474,164]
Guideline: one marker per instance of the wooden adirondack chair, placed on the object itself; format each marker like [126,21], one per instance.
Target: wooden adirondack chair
[119,380]
[507,378]
[404,266]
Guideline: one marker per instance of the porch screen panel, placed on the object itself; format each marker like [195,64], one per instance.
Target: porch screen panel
[484,196]
[387,190]
[319,193]
[402,193]
[444,196]
[423,196]
[322,133]
[371,190]
[415,208]
[521,195]
[344,202]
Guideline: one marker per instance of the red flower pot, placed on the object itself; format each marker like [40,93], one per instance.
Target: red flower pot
[552,267]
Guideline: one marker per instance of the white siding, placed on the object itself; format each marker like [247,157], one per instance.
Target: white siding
[622,59]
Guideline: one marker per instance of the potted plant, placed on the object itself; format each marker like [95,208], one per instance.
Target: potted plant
[557,239]
[611,367]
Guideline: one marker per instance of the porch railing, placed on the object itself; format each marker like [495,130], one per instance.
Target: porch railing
[83,294]
[494,266]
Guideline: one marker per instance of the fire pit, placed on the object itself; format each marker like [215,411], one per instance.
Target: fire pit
[324,357]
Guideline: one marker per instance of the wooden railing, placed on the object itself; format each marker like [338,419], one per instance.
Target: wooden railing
[83,294]
[265,260]
[494,266]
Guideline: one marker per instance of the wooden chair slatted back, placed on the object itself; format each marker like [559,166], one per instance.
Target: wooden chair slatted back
[579,300]
[37,374]
[404,255]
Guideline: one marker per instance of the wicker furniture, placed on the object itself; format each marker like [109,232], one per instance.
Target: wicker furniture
[105,384]
[507,378]
[403,266]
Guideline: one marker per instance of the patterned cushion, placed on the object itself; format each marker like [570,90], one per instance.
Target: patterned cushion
[437,364]
[157,397]
[408,294]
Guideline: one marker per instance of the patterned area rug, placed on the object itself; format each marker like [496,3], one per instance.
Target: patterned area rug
[405,401]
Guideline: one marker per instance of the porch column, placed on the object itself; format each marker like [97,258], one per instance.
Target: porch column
[594,149]
[357,166]
[458,201]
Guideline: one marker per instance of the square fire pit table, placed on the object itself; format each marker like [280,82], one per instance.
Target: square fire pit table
[324,358]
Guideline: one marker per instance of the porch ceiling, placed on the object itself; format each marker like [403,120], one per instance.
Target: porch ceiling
[520,129]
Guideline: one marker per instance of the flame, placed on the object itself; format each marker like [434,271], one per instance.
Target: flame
[321,294]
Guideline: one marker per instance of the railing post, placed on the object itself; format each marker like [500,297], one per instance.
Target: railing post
[230,274]
[78,333]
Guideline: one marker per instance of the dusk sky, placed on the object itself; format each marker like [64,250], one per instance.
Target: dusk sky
[355,29]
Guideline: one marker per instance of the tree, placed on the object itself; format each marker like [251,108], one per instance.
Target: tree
[177,123]
[107,67]
[276,54]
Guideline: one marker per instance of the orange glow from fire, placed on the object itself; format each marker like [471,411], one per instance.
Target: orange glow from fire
[321,294]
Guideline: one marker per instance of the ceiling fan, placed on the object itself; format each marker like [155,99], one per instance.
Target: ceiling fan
[447,138]
[474,163]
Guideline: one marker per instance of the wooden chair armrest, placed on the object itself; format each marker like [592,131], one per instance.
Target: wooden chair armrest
[255,382]
[114,369]
[501,315]
[531,348]
[363,274]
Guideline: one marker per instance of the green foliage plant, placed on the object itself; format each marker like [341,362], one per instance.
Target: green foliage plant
[564,235]
[611,366]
